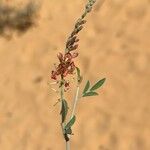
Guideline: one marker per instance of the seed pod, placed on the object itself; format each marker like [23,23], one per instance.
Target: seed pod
[79,29]
[73,33]
[73,47]
[83,16]
[82,22]
[88,8]
[78,23]
[71,41]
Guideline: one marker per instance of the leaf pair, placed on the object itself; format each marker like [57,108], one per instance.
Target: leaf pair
[91,91]
[64,111]
[68,126]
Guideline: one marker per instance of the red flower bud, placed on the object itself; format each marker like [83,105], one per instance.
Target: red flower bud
[53,75]
[60,57]
[74,55]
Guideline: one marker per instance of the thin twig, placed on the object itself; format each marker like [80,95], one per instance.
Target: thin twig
[68,145]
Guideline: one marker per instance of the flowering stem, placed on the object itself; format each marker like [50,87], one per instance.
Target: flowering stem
[66,66]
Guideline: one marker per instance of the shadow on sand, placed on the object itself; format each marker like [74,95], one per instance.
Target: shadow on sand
[16,19]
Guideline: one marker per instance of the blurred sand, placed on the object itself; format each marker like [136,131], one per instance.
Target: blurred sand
[115,44]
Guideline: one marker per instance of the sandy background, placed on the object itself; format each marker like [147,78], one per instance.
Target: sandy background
[115,44]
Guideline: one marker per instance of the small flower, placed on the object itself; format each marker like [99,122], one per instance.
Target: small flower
[53,75]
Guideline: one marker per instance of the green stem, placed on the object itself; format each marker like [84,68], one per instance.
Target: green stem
[75,102]
[63,124]
[67,145]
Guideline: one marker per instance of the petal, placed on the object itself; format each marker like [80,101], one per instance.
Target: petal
[60,57]
[53,75]
[68,56]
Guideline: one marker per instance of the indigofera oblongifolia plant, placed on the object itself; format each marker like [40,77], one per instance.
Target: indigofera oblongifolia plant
[67,67]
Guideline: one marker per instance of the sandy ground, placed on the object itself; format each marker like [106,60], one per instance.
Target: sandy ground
[115,44]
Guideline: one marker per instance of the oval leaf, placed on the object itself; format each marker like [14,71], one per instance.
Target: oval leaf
[98,84]
[70,123]
[64,110]
[86,87]
[79,77]
[78,71]
[90,94]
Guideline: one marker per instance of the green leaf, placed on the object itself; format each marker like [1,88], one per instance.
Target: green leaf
[86,87]
[90,94]
[70,123]
[78,71]
[98,84]
[79,77]
[64,110]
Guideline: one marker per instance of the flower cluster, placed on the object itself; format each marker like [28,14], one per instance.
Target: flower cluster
[66,65]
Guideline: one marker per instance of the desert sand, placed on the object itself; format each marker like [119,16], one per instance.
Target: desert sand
[115,44]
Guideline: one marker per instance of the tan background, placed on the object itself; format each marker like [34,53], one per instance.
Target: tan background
[115,44]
